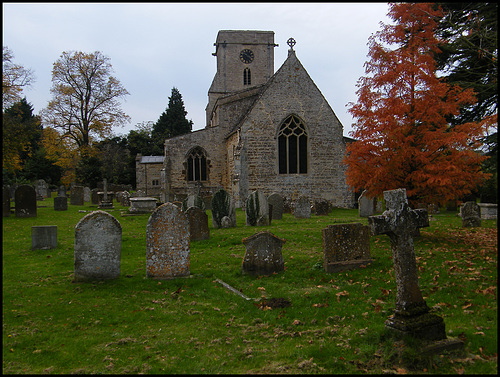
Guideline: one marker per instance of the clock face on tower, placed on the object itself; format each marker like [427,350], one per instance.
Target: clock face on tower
[246,56]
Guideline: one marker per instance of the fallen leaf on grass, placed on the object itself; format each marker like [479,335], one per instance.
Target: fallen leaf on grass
[466,306]
[339,294]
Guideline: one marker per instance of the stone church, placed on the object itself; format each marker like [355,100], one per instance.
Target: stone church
[265,130]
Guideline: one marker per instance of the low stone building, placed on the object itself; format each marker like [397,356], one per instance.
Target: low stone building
[265,131]
[149,174]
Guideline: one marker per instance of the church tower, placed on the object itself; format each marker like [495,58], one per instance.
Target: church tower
[245,59]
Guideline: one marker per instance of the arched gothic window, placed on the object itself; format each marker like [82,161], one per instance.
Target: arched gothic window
[197,165]
[292,146]
[247,77]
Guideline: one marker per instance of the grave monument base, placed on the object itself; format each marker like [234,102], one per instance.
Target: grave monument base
[425,326]
[106,205]
[346,266]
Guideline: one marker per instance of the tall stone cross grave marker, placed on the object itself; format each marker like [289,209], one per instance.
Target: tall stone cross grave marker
[401,223]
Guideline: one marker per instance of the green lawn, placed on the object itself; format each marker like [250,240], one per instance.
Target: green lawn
[334,324]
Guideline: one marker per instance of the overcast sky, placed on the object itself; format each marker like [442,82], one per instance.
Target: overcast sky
[154,47]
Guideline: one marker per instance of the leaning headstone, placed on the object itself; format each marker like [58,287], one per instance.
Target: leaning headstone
[257,209]
[167,242]
[222,206]
[321,208]
[366,205]
[302,208]
[25,198]
[98,242]
[276,201]
[43,237]
[471,215]
[263,254]
[346,247]
[488,211]
[76,197]
[94,196]
[60,203]
[399,222]
[193,201]
[86,194]
[6,201]
[198,224]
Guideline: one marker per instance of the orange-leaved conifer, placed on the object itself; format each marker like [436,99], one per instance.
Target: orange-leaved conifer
[403,137]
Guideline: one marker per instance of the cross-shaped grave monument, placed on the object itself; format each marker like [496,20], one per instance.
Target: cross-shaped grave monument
[401,223]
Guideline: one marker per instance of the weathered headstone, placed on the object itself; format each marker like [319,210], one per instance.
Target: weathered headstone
[263,254]
[98,239]
[142,205]
[61,191]
[346,247]
[25,198]
[43,237]
[488,211]
[76,196]
[167,241]
[107,199]
[6,201]
[193,201]
[123,198]
[399,222]
[60,203]
[94,196]
[302,208]
[276,201]
[321,208]
[257,209]
[198,224]
[366,205]
[86,194]
[41,188]
[222,206]
[471,215]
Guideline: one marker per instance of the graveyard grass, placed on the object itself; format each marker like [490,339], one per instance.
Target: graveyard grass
[334,323]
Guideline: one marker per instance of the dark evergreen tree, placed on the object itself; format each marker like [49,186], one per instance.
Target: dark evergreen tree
[469,59]
[172,121]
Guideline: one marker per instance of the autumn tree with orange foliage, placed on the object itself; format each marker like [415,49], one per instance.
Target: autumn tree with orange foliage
[403,137]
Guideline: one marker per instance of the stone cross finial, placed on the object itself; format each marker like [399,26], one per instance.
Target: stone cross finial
[401,223]
[291,42]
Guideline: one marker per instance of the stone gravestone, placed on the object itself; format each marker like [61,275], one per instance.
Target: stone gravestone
[223,206]
[321,208]
[193,201]
[6,201]
[198,224]
[76,197]
[25,198]
[107,200]
[41,188]
[302,208]
[346,247]
[94,196]
[276,201]
[257,209]
[167,241]
[488,211]
[263,254]
[399,222]
[86,194]
[366,206]
[98,243]
[471,215]
[61,191]
[60,203]
[43,237]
